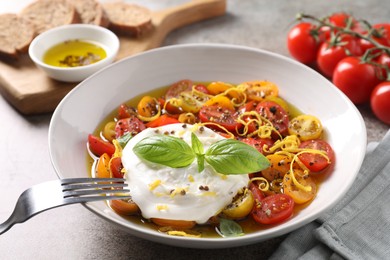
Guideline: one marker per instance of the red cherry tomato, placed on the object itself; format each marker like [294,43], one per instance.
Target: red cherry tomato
[380,101]
[342,19]
[258,143]
[316,162]
[176,88]
[276,114]
[162,120]
[130,125]
[125,111]
[258,195]
[355,79]
[99,146]
[116,167]
[328,56]
[222,116]
[273,209]
[384,60]
[202,88]
[301,43]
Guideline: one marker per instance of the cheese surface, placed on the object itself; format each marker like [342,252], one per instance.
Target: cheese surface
[179,193]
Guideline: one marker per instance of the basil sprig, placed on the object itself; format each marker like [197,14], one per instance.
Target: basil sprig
[227,156]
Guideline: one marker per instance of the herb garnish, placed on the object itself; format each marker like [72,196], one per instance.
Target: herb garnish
[227,156]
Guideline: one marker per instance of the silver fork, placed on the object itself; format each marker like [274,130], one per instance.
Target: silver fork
[52,194]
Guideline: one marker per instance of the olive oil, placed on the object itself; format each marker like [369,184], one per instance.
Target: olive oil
[74,53]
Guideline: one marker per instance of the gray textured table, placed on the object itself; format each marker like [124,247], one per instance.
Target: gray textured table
[73,232]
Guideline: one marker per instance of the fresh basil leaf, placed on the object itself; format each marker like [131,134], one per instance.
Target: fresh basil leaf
[166,150]
[229,228]
[200,160]
[231,156]
[124,139]
[197,145]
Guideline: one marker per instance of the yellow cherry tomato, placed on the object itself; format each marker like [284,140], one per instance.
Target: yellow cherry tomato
[298,195]
[176,224]
[220,101]
[218,87]
[103,167]
[241,206]
[124,207]
[280,165]
[260,90]
[148,106]
[109,131]
[306,127]
[191,102]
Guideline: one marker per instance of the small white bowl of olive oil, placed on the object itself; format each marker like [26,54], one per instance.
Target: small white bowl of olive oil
[73,52]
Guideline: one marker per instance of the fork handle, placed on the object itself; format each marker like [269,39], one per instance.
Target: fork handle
[6,225]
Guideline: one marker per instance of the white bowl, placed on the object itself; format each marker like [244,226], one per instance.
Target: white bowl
[107,39]
[300,85]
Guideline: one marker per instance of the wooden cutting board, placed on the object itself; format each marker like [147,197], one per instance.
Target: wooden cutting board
[30,91]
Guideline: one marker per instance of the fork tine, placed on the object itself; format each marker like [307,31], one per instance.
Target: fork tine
[86,180]
[93,192]
[72,200]
[92,186]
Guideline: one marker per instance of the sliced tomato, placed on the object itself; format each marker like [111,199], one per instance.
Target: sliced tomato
[202,88]
[176,88]
[116,167]
[240,207]
[273,209]
[258,143]
[169,108]
[177,224]
[275,114]
[280,165]
[316,162]
[162,120]
[124,111]
[247,107]
[148,106]
[98,146]
[298,195]
[306,127]
[225,117]
[124,207]
[259,90]
[130,125]
[257,194]
[103,167]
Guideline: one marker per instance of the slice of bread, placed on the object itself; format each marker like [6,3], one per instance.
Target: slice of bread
[91,12]
[16,35]
[47,14]
[128,19]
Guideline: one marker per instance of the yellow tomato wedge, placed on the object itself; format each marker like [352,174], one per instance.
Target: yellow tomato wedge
[259,90]
[298,195]
[218,87]
[148,108]
[306,127]
[103,167]
[241,206]
[109,131]
[124,207]
[280,165]
[177,224]
[220,101]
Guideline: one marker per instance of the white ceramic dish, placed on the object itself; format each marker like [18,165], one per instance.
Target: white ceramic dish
[104,37]
[73,120]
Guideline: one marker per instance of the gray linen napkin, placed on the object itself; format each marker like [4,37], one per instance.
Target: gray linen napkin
[358,227]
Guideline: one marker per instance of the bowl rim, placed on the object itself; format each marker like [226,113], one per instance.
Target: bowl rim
[69,27]
[218,242]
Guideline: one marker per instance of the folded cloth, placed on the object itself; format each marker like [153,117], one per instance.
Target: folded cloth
[358,227]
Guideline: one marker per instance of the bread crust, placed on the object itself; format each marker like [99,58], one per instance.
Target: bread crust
[128,19]
[91,12]
[16,34]
[47,14]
